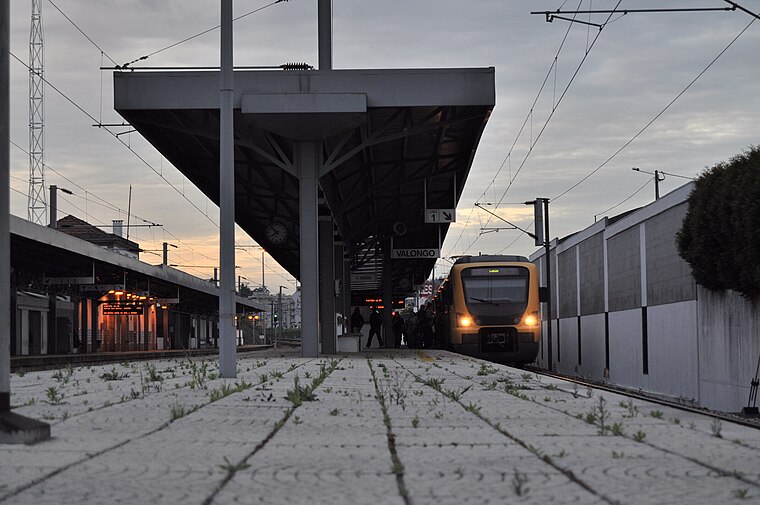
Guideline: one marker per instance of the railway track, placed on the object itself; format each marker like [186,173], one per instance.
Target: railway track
[752,422]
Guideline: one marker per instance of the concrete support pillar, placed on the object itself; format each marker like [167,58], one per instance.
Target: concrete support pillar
[15,341]
[347,287]
[146,327]
[94,325]
[308,157]
[227,330]
[387,295]
[85,324]
[5,206]
[327,286]
[14,429]
[52,326]
[340,298]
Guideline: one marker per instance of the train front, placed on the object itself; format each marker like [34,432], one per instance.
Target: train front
[494,311]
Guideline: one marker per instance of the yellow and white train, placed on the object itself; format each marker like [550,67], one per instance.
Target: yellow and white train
[488,308]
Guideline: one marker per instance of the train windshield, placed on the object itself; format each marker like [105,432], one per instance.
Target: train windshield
[495,285]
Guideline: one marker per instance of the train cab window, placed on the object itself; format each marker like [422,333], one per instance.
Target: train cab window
[495,285]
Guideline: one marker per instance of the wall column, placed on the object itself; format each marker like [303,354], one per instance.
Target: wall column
[52,325]
[387,295]
[339,276]
[94,324]
[346,265]
[307,162]
[327,285]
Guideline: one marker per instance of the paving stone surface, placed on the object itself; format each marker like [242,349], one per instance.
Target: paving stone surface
[401,428]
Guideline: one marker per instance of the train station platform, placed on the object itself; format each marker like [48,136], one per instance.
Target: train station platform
[395,427]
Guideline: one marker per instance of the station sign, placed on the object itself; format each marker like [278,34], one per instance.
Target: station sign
[440,216]
[375,300]
[48,281]
[357,278]
[421,254]
[101,287]
[123,308]
[166,301]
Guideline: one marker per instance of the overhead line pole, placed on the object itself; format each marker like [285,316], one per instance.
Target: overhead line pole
[227,340]
[14,429]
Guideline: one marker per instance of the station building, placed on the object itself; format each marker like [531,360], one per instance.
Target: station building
[80,289]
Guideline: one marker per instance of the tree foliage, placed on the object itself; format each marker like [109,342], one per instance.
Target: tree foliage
[720,235]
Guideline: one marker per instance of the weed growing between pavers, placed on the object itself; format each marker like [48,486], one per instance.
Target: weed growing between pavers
[632,410]
[228,389]
[519,481]
[113,375]
[716,426]
[486,369]
[231,468]
[178,410]
[55,397]
[533,450]
[64,374]
[153,375]
[396,466]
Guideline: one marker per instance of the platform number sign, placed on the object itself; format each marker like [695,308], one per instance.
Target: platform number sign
[440,216]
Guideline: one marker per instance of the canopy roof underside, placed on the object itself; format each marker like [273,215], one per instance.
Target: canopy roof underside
[392,140]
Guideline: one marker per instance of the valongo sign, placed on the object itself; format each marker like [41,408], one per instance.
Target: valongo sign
[422,254]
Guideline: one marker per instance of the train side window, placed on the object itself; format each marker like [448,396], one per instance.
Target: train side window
[543,294]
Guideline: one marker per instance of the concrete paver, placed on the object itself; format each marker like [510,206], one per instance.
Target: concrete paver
[384,427]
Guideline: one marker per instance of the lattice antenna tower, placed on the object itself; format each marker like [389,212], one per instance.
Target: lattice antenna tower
[37,211]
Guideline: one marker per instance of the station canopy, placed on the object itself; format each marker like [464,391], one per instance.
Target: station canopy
[393,141]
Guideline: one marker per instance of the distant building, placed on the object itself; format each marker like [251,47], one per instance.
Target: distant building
[115,242]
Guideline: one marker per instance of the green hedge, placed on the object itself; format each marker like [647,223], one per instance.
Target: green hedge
[720,236]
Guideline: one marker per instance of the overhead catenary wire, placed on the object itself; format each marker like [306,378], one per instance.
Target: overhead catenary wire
[626,199]
[128,147]
[551,114]
[82,32]
[657,116]
[528,116]
[199,34]
[546,123]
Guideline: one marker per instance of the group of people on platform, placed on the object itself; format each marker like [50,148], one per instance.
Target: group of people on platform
[416,331]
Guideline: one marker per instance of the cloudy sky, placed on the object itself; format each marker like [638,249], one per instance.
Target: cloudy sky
[604,88]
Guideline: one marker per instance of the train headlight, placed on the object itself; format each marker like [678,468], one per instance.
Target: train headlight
[531,319]
[464,320]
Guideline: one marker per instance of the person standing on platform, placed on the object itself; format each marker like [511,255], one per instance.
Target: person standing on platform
[357,321]
[375,322]
[426,322]
[412,331]
[398,329]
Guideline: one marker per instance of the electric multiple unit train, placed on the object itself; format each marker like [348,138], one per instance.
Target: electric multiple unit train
[488,308]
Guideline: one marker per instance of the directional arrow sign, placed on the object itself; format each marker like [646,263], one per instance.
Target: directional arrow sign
[440,215]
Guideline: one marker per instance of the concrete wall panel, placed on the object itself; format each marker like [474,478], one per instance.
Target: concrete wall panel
[592,275]
[568,284]
[729,348]
[669,277]
[568,345]
[673,350]
[624,264]
[626,363]
[592,347]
